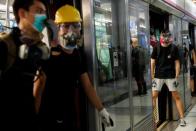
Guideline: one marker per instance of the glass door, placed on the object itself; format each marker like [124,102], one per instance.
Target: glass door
[186,64]
[107,30]
[111,59]
[141,78]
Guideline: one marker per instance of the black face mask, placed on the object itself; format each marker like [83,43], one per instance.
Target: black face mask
[69,41]
[38,51]
[166,37]
[35,52]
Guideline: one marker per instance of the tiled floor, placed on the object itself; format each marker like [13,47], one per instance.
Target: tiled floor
[120,112]
[190,120]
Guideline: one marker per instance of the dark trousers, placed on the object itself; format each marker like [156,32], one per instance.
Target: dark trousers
[141,83]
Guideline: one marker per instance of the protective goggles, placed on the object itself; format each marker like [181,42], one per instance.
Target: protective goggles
[68,25]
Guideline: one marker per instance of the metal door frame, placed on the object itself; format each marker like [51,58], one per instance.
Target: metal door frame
[90,49]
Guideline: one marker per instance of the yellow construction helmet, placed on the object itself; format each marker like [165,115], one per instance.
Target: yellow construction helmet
[67,13]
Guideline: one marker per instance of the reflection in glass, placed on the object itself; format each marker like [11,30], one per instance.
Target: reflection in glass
[4,21]
[111,55]
[111,59]
[139,65]
[141,81]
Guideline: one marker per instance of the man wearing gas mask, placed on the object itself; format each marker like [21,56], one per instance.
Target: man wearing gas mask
[165,69]
[21,54]
[64,70]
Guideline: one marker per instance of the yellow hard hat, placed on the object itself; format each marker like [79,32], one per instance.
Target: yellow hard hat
[67,13]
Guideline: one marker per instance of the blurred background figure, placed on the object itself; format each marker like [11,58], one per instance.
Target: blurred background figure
[153,41]
[192,56]
[138,66]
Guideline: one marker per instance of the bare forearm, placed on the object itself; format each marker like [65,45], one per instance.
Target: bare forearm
[152,68]
[94,99]
[90,92]
[194,57]
[177,68]
[38,89]
[37,95]
[37,103]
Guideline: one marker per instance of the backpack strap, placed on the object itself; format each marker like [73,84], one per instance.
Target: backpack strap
[11,47]
[172,48]
[158,50]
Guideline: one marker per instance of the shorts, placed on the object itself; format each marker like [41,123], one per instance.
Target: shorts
[157,84]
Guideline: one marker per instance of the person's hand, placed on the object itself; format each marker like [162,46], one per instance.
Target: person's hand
[105,117]
[176,83]
[53,30]
[154,85]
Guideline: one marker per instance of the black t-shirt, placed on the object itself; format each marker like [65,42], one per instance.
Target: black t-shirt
[138,59]
[16,90]
[63,72]
[165,61]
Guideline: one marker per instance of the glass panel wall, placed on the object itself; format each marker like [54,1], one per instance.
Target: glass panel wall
[141,80]
[176,28]
[111,52]
[3,15]
[186,64]
[6,20]
[113,47]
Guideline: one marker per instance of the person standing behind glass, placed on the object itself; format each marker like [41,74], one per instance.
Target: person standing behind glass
[64,69]
[21,55]
[165,69]
[138,66]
